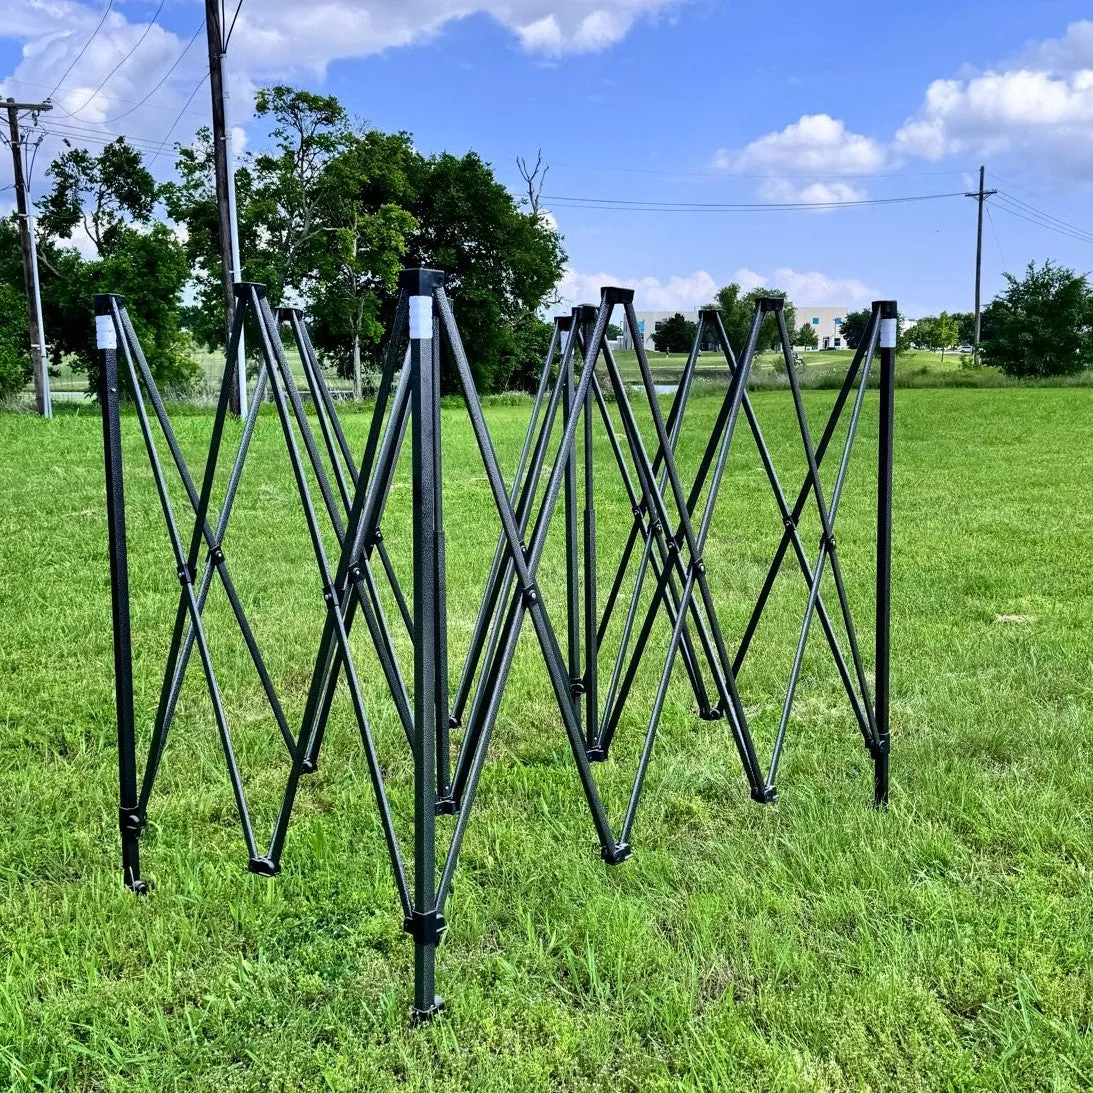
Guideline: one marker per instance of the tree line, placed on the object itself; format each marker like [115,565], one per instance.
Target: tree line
[328,214]
[1039,326]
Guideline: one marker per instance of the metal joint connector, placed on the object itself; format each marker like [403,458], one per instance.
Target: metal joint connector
[617,854]
[185,575]
[425,927]
[576,686]
[216,556]
[330,595]
[131,821]
[530,594]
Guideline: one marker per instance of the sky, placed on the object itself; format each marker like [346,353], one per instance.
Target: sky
[690,143]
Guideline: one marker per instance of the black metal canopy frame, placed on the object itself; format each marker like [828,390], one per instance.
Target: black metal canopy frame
[661,565]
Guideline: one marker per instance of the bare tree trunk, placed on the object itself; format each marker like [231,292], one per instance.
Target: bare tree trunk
[357,394]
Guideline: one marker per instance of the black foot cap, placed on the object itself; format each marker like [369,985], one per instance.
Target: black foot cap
[447,806]
[767,795]
[308,766]
[139,887]
[424,1016]
[618,855]
[711,714]
[596,754]
[263,867]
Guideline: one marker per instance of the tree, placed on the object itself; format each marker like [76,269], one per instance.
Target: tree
[737,310]
[279,196]
[357,261]
[113,198]
[1041,325]
[614,331]
[329,216]
[15,366]
[965,327]
[106,193]
[806,336]
[853,327]
[937,332]
[674,335]
[502,263]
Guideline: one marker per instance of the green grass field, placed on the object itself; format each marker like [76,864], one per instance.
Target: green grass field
[814,944]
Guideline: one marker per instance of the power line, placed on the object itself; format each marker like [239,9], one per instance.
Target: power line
[167,136]
[228,36]
[1044,197]
[1046,216]
[163,79]
[147,30]
[997,241]
[106,98]
[83,50]
[621,205]
[1024,211]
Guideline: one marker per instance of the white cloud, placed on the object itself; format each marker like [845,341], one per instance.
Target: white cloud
[815,144]
[684,292]
[1040,106]
[650,293]
[779,190]
[808,288]
[274,39]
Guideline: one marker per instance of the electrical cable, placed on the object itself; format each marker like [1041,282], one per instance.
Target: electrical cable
[162,81]
[147,30]
[569,202]
[83,50]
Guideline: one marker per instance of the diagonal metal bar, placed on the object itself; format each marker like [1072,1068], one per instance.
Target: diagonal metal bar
[827,542]
[527,565]
[185,577]
[273,352]
[791,529]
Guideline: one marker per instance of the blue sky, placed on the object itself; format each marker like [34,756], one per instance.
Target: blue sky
[660,103]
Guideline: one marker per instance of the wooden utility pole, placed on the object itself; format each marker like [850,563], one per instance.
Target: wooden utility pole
[42,400]
[225,194]
[981,196]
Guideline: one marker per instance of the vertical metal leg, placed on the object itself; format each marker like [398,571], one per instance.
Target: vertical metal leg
[572,565]
[128,812]
[888,335]
[443,725]
[425,922]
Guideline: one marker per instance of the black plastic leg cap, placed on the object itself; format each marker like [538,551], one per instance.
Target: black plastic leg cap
[712,713]
[617,854]
[263,867]
[420,1016]
[596,754]
[765,795]
[140,887]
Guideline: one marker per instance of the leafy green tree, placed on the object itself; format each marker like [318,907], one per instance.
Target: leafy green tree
[937,332]
[674,335]
[853,327]
[279,202]
[356,264]
[737,310]
[965,327]
[502,262]
[113,198]
[15,366]
[105,194]
[806,336]
[331,213]
[614,331]
[1041,325]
